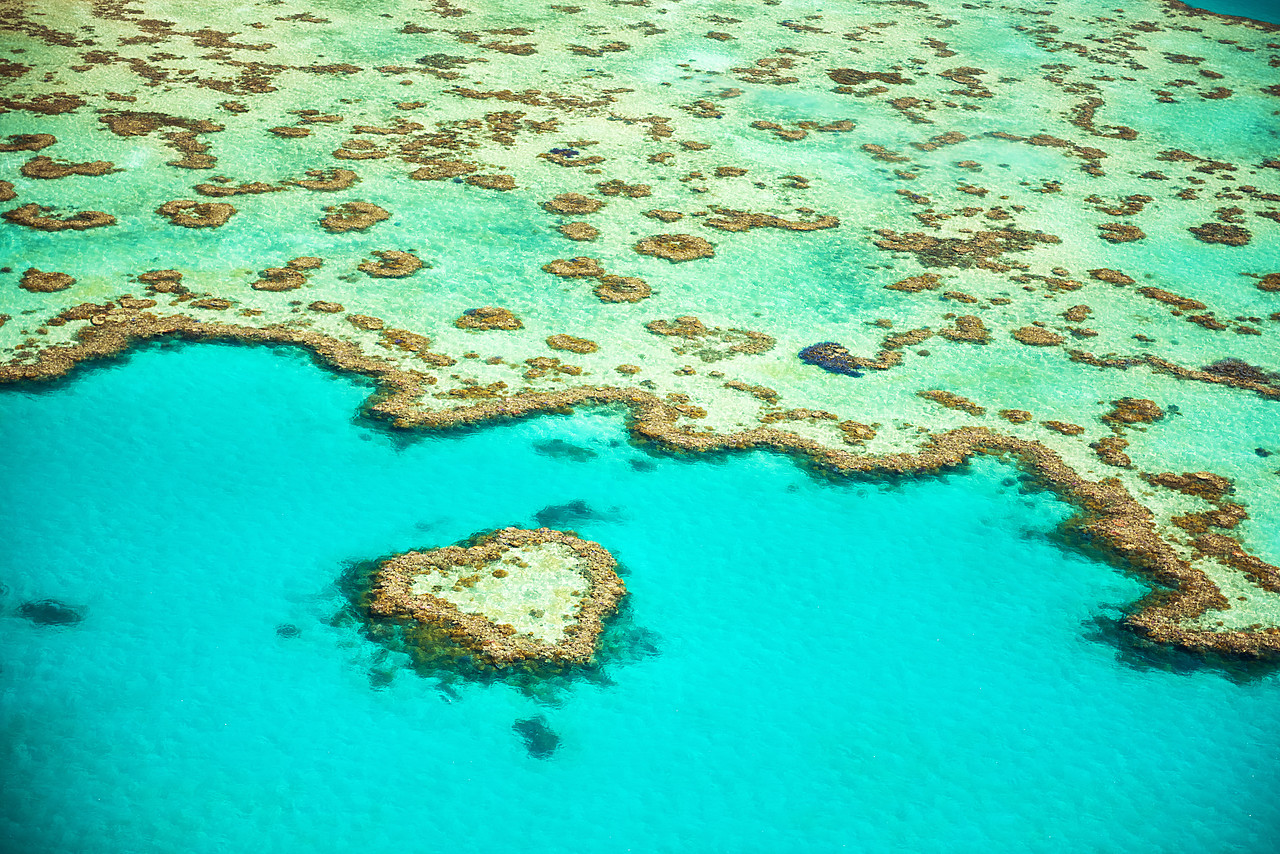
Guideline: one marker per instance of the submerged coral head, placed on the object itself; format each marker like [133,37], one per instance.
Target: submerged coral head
[830,356]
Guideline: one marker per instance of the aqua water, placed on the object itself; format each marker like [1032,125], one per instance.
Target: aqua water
[911,666]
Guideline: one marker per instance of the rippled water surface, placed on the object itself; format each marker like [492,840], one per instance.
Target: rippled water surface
[802,666]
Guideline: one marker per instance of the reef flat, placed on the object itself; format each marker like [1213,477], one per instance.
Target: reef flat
[884,237]
[511,595]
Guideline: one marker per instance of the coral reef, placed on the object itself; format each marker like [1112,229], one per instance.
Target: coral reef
[575,204]
[1110,515]
[391,264]
[189,214]
[488,317]
[579,231]
[1036,336]
[352,216]
[41,282]
[675,247]
[46,167]
[496,573]
[621,289]
[38,217]
[572,344]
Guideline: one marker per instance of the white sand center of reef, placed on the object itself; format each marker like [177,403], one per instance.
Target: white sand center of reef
[539,598]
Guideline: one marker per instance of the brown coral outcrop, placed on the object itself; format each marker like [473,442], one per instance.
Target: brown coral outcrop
[572,344]
[1133,410]
[574,204]
[223,190]
[279,279]
[163,281]
[621,188]
[492,182]
[611,288]
[915,284]
[1168,298]
[1202,484]
[41,282]
[968,327]
[731,220]
[1110,449]
[983,249]
[38,217]
[952,401]
[364,321]
[580,267]
[703,339]
[675,247]
[327,180]
[1119,232]
[1216,232]
[580,231]
[1114,277]
[48,168]
[488,317]
[190,214]
[1036,336]
[392,264]
[352,216]
[1066,428]
[28,142]
[441,170]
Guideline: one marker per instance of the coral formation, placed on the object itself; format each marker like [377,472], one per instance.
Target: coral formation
[675,247]
[1036,336]
[612,288]
[579,231]
[352,216]
[41,282]
[488,317]
[481,585]
[575,204]
[572,344]
[1110,514]
[391,264]
[46,167]
[39,217]
[189,214]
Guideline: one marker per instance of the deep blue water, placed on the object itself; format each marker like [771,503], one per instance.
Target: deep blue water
[804,666]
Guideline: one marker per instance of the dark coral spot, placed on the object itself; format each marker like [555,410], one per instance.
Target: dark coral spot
[50,612]
[539,739]
[565,515]
[830,356]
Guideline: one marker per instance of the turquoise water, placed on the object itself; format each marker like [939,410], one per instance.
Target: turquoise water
[1259,10]
[946,688]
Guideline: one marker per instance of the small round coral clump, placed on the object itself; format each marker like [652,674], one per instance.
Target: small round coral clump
[488,317]
[676,247]
[40,282]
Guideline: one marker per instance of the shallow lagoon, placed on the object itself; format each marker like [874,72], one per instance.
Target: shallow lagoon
[802,665]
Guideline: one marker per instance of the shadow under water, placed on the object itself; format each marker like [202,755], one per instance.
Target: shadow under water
[539,739]
[50,612]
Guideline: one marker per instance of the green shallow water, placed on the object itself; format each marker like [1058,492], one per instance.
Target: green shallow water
[802,665]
